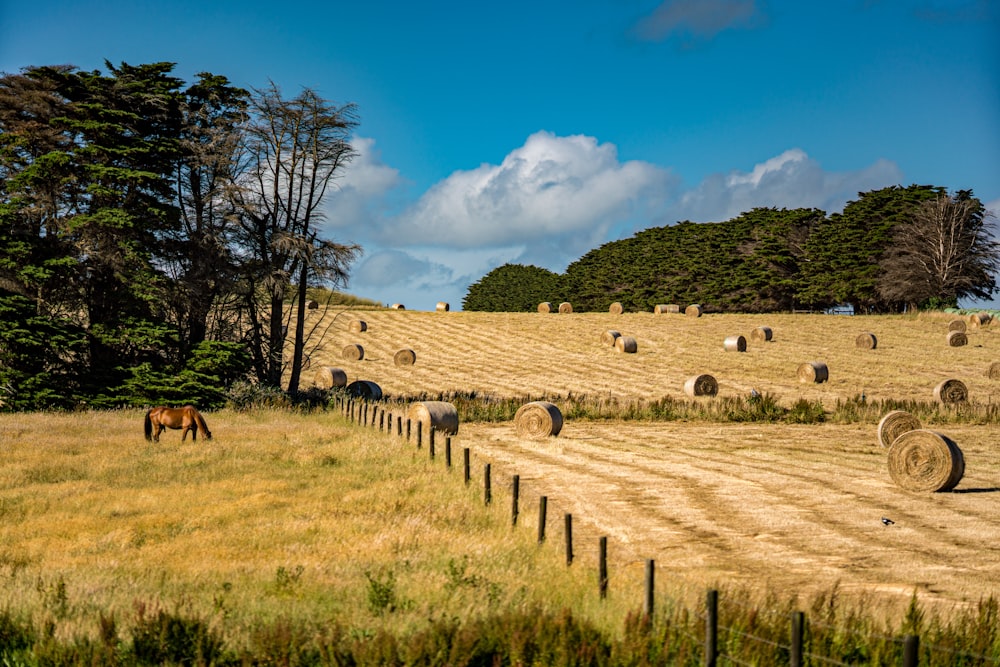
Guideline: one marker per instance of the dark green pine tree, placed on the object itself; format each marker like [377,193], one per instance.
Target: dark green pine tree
[513,288]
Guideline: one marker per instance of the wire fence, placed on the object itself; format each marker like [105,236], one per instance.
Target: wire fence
[795,640]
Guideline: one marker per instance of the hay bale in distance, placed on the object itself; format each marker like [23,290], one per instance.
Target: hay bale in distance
[813,371]
[353,352]
[398,306]
[626,344]
[866,341]
[329,377]
[565,307]
[442,307]
[701,385]
[545,307]
[735,344]
[609,337]
[404,357]
[761,334]
[894,424]
[951,391]
[358,326]
[694,310]
[364,389]
[925,461]
[666,308]
[312,305]
[437,415]
[977,320]
[538,419]
[957,339]
[616,308]
[957,325]
[993,372]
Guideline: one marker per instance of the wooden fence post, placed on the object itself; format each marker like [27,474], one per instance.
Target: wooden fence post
[543,503]
[447,451]
[798,627]
[420,435]
[487,491]
[407,430]
[650,588]
[602,567]
[467,473]
[515,494]
[711,628]
[430,443]
[911,650]
[569,538]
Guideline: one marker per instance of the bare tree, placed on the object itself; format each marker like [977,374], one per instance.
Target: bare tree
[945,252]
[294,150]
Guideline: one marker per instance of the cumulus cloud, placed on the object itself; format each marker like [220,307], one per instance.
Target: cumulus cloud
[559,189]
[789,180]
[702,19]
[362,194]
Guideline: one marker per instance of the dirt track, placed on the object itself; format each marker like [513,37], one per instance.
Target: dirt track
[722,504]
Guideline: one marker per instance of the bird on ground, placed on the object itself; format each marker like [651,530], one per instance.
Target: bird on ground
[886,521]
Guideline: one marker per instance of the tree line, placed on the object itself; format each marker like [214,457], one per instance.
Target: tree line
[889,251]
[153,233]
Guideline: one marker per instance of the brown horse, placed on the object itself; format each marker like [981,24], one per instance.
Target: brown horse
[187,418]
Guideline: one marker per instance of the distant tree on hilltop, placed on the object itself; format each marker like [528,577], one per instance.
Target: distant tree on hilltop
[513,288]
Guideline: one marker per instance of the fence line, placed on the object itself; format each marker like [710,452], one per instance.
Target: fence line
[910,644]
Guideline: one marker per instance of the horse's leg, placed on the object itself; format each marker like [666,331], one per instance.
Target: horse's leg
[157,431]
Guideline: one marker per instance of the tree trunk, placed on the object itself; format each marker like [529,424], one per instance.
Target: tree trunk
[300,319]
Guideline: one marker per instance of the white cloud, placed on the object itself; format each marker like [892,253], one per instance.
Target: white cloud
[789,180]
[565,189]
[362,193]
[697,18]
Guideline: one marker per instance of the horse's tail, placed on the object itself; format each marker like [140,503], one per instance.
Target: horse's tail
[201,424]
[148,426]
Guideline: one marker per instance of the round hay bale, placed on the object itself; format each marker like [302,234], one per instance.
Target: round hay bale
[957,325]
[866,341]
[894,424]
[565,307]
[329,377]
[701,385]
[993,372]
[694,310]
[358,326]
[761,334]
[926,461]
[735,344]
[957,339]
[951,391]
[353,352]
[977,320]
[312,305]
[616,308]
[538,419]
[404,357]
[545,307]
[398,306]
[442,307]
[626,344]
[666,308]
[437,415]
[609,337]
[364,389]
[813,371]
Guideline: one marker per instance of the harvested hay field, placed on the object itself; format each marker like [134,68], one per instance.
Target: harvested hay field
[789,507]
[535,354]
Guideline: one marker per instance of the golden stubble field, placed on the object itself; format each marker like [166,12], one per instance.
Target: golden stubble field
[793,507]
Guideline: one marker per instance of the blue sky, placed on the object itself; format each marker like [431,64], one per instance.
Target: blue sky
[532,132]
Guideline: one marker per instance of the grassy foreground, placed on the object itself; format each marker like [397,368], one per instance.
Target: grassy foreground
[303,539]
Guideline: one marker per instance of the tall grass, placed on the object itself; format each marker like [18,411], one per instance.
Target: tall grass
[488,407]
